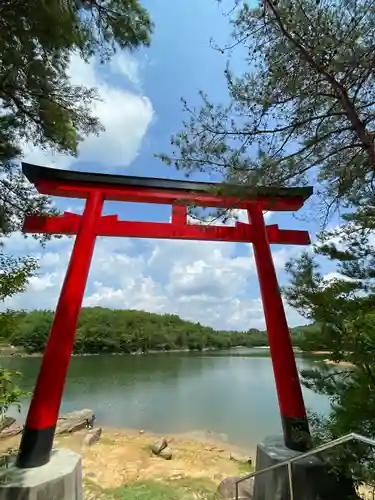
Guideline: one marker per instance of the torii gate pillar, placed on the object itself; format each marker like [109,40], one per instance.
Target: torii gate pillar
[288,387]
[37,438]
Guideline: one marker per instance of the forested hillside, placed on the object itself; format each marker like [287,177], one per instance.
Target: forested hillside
[309,337]
[103,330]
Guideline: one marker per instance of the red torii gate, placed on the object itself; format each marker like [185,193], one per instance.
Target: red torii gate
[38,434]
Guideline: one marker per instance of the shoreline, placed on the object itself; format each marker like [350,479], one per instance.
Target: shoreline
[263,350]
[16,352]
[19,354]
[204,437]
[328,361]
[337,363]
[80,421]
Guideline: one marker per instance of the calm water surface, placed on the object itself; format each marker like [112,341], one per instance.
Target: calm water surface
[227,392]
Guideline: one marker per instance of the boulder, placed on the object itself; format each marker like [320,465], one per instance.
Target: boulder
[227,489]
[9,427]
[69,422]
[12,430]
[6,422]
[92,436]
[159,446]
[75,421]
[241,459]
[166,453]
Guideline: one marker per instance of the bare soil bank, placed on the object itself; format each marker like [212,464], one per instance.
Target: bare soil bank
[123,457]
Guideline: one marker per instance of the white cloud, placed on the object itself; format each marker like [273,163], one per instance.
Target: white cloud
[126,116]
[200,281]
[235,215]
[242,216]
[52,159]
[215,275]
[42,283]
[332,276]
[281,257]
[125,64]
[329,277]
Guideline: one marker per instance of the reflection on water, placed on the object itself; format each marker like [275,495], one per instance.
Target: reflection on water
[229,392]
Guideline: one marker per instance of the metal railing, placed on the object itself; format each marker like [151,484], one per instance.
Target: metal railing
[331,444]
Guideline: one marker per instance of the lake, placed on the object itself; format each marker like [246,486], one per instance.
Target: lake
[229,392]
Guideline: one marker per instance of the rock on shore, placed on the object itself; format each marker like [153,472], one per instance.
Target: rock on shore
[161,449]
[75,421]
[66,424]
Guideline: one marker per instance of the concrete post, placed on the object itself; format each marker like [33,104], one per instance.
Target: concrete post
[59,479]
[310,476]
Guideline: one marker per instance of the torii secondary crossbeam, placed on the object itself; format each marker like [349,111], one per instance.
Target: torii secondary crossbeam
[38,434]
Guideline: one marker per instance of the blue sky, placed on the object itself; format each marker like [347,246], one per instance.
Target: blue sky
[214,283]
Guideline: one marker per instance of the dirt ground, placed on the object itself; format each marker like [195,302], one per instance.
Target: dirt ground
[124,456]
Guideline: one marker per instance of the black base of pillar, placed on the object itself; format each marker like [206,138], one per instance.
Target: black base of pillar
[310,476]
[296,433]
[35,448]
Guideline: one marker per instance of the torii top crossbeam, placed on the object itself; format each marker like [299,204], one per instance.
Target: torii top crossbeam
[37,438]
[73,184]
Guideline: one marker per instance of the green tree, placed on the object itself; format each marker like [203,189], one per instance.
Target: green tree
[39,105]
[37,39]
[15,274]
[344,308]
[32,330]
[10,392]
[10,397]
[309,338]
[302,109]
[9,320]
[38,102]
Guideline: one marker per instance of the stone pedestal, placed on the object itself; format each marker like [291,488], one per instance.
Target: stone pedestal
[60,479]
[311,481]
[227,489]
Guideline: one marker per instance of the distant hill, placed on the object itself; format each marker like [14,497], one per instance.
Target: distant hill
[309,337]
[102,330]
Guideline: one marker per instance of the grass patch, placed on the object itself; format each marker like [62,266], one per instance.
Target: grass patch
[245,469]
[94,492]
[182,489]
[195,483]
